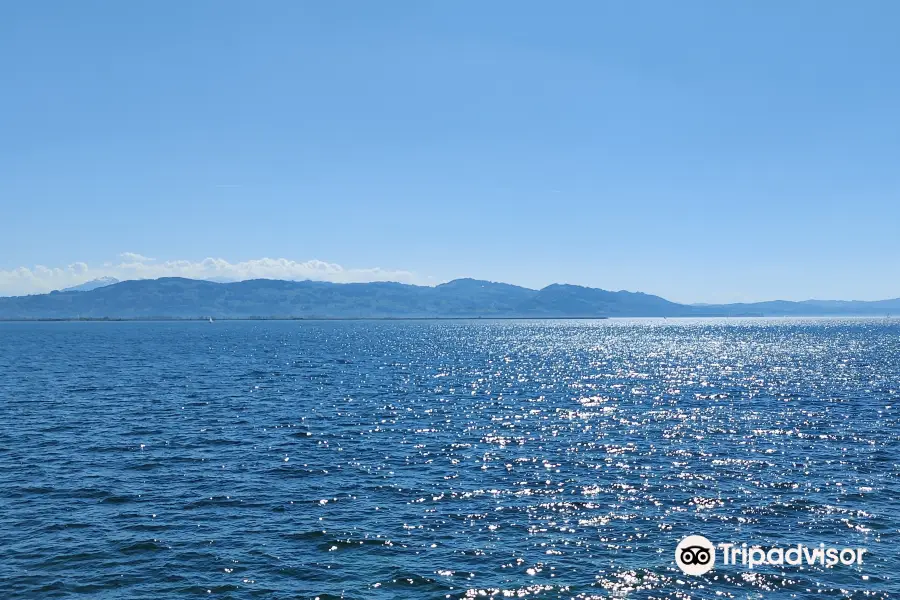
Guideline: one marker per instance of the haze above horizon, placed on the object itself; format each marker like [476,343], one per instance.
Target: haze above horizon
[699,151]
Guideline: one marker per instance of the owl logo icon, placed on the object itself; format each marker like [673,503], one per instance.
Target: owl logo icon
[695,555]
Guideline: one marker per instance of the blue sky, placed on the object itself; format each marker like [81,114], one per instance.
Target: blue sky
[703,151]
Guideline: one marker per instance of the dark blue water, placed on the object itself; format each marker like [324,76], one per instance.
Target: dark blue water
[444,459]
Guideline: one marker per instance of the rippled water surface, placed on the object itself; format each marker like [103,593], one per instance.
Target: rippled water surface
[444,459]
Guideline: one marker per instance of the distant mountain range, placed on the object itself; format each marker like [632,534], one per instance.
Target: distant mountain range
[93,284]
[265,298]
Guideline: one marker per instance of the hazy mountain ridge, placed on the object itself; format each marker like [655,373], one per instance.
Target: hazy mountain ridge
[93,284]
[188,298]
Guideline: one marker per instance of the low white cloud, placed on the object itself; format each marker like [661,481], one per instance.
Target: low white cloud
[41,279]
[133,257]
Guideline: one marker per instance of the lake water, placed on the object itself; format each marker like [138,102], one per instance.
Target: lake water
[445,459]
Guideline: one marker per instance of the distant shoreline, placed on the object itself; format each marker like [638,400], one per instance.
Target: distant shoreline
[179,299]
[217,319]
[535,318]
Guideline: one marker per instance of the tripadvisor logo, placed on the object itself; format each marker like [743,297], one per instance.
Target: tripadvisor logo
[696,555]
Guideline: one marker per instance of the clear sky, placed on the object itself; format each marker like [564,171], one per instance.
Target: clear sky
[704,151]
